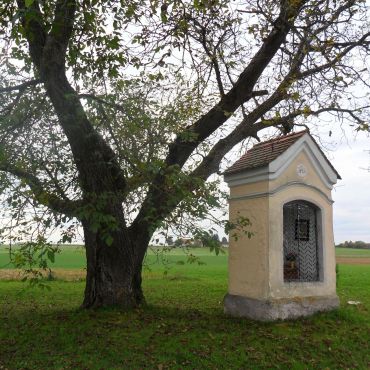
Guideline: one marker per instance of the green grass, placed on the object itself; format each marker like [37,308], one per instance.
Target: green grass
[350,252]
[73,257]
[183,326]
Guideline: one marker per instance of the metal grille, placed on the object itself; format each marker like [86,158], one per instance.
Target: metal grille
[301,262]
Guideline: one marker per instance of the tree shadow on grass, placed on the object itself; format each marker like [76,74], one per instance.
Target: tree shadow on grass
[42,337]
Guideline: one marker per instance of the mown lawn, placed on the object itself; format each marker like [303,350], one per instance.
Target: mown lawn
[182,327]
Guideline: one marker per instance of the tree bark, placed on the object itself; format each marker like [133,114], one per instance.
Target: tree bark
[114,269]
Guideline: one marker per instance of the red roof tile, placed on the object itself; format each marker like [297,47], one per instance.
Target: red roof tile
[262,154]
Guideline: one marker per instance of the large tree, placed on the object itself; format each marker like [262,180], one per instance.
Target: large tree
[115,113]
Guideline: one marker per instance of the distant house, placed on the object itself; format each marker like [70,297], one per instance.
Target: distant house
[187,242]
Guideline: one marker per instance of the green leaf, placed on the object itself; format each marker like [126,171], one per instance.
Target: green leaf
[28,3]
[109,240]
[51,256]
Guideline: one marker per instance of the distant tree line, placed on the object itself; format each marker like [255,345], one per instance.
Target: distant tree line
[356,245]
[194,242]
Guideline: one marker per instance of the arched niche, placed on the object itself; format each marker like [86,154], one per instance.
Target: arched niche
[302,242]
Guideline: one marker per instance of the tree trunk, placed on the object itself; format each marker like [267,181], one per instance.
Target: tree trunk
[113,271]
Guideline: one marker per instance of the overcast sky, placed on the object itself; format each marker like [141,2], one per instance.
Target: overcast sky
[352,193]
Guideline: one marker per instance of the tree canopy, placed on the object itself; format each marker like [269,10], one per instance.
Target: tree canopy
[114,114]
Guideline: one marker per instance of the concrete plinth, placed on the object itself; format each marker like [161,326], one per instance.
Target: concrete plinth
[277,309]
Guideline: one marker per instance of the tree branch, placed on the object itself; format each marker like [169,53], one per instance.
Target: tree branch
[20,87]
[50,200]
[34,29]
[334,61]
[91,152]
[212,160]
[102,101]
[181,149]
[62,26]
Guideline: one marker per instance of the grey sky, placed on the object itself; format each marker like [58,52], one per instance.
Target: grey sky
[352,193]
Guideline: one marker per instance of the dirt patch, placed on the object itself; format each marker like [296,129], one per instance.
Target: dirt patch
[353,260]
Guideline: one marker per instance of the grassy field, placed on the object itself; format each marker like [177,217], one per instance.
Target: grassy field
[182,327]
[73,257]
[349,252]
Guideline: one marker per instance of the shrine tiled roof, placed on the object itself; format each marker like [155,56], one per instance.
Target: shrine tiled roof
[263,153]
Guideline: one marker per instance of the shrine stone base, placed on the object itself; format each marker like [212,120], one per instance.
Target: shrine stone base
[277,309]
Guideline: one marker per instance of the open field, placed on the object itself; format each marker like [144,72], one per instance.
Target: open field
[182,327]
[349,252]
[73,257]
[351,256]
